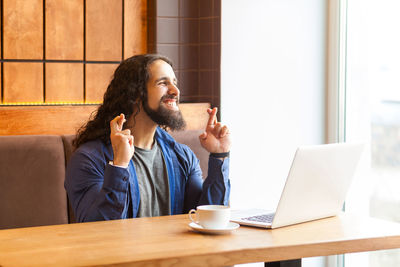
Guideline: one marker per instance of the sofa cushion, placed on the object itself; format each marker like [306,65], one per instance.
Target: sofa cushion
[68,147]
[32,171]
[68,150]
[191,139]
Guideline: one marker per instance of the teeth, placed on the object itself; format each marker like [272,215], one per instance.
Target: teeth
[172,103]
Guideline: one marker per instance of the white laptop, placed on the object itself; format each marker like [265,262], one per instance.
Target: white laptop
[315,188]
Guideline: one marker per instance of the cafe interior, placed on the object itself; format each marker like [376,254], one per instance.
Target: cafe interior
[282,74]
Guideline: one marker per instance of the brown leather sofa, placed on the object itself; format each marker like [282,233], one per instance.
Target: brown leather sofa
[32,173]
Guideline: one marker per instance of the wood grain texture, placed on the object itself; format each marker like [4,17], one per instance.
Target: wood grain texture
[23,29]
[98,76]
[64,82]
[37,120]
[168,241]
[23,82]
[64,29]
[104,30]
[1,91]
[135,27]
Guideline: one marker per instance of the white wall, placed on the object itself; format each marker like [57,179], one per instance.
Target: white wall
[273,91]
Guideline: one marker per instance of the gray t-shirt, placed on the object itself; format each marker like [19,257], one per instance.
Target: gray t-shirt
[153,182]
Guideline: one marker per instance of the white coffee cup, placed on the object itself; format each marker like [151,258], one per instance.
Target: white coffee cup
[211,216]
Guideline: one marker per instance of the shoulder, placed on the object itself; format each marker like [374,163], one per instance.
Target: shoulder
[93,147]
[94,151]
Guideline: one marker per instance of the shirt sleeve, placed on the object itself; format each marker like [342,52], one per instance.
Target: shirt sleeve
[96,190]
[215,189]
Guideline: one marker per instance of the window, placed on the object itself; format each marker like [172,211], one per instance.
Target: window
[372,107]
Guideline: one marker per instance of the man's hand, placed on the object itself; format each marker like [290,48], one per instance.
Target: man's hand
[216,138]
[121,141]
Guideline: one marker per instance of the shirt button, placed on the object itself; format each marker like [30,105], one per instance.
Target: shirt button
[125,179]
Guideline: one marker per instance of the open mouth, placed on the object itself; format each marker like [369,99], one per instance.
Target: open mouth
[171,103]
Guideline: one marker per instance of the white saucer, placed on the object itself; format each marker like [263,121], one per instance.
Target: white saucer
[198,228]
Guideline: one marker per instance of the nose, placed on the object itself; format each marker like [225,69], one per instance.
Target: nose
[173,90]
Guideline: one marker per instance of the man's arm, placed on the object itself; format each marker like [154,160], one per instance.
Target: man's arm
[121,141]
[96,193]
[216,187]
[216,140]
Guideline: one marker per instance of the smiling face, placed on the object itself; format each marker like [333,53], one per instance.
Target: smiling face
[163,96]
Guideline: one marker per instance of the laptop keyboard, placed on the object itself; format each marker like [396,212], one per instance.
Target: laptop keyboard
[266,218]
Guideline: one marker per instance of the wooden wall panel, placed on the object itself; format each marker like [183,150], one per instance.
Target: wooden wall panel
[64,29]
[67,119]
[43,119]
[104,30]
[135,27]
[115,29]
[1,91]
[64,82]
[23,29]
[98,76]
[23,82]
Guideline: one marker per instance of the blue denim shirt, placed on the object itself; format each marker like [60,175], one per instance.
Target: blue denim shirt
[99,191]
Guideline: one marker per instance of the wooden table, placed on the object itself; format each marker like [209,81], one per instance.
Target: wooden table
[168,241]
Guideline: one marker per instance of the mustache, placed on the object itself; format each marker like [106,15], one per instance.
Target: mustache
[167,96]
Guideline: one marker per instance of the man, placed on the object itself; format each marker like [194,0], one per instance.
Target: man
[126,166]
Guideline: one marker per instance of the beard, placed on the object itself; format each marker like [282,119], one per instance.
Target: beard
[163,116]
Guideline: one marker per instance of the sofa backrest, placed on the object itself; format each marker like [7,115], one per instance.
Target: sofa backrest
[191,139]
[68,150]
[32,170]
[32,174]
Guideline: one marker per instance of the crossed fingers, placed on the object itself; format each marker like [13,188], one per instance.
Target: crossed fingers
[122,141]
[116,127]
[215,127]
[117,124]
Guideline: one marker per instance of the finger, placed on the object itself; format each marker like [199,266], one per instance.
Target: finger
[215,111]
[117,123]
[130,140]
[114,125]
[213,116]
[126,132]
[217,129]
[224,131]
[203,136]
[121,121]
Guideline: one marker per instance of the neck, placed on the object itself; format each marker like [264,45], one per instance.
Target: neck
[143,130]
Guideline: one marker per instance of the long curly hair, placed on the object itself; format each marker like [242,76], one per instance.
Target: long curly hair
[125,93]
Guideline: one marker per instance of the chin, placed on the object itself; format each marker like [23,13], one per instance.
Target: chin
[165,116]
